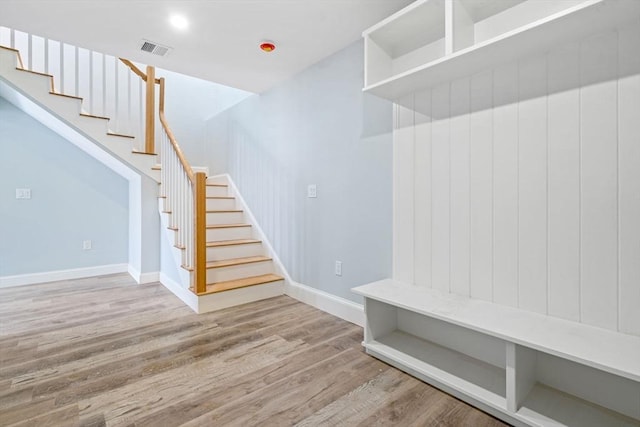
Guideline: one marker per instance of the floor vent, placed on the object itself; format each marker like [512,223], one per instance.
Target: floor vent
[154,48]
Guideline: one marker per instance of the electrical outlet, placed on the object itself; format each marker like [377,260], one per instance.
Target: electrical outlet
[86,245]
[338,268]
[23,193]
[312,191]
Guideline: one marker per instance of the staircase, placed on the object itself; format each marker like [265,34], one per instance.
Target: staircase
[238,268]
[39,88]
[218,251]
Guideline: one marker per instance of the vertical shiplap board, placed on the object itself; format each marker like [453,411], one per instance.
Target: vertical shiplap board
[53,48]
[69,64]
[110,86]
[440,188]
[83,80]
[97,92]
[481,186]
[629,178]
[422,187]
[38,53]
[532,185]
[563,114]
[599,216]
[505,185]
[403,181]
[460,186]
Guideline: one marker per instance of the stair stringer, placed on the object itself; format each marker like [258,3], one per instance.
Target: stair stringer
[35,98]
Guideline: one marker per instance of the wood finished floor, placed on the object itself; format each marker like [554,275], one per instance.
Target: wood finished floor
[104,351]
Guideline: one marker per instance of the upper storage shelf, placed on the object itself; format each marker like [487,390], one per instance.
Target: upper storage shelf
[433,41]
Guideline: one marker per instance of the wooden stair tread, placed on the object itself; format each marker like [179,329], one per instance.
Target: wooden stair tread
[237,261]
[93,116]
[140,152]
[227,225]
[35,72]
[156,167]
[65,95]
[232,242]
[217,185]
[241,283]
[121,135]
[220,197]
[224,211]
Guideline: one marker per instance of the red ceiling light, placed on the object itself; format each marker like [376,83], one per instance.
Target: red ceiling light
[267,46]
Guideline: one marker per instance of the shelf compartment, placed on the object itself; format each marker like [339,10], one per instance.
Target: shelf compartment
[582,19]
[406,40]
[476,21]
[547,406]
[450,370]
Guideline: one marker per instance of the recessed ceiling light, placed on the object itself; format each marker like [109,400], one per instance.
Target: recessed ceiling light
[179,22]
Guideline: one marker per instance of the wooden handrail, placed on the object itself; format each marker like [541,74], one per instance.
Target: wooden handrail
[137,70]
[172,138]
[199,182]
[198,179]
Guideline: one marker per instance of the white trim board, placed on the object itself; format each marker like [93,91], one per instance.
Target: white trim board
[143,278]
[57,275]
[185,295]
[334,305]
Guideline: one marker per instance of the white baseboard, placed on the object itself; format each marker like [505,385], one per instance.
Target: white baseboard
[143,278]
[57,275]
[185,295]
[337,306]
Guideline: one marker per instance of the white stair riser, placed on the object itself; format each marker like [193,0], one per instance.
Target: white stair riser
[225,218]
[216,191]
[232,233]
[239,271]
[234,251]
[235,297]
[217,180]
[221,204]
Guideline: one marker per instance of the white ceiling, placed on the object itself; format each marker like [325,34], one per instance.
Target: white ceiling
[221,43]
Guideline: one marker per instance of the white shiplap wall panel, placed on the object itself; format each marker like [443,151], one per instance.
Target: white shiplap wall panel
[403,181]
[599,222]
[563,102]
[505,185]
[527,187]
[441,184]
[422,189]
[459,143]
[629,179]
[532,185]
[481,186]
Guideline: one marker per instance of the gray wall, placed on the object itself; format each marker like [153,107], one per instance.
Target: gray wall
[317,128]
[74,198]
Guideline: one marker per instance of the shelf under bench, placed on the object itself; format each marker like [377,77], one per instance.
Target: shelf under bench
[523,367]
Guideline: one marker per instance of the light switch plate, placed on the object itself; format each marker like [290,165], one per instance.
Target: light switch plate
[23,193]
[312,191]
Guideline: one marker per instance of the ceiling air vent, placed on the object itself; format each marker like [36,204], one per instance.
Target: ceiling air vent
[154,48]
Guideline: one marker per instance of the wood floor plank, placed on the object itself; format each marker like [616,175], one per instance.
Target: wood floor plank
[107,352]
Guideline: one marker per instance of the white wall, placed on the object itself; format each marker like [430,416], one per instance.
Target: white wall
[190,102]
[73,198]
[521,185]
[317,128]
